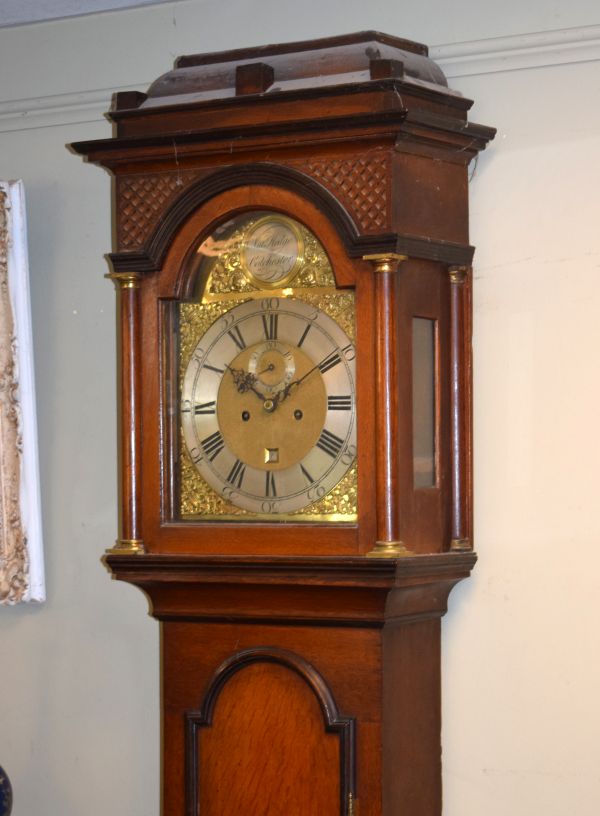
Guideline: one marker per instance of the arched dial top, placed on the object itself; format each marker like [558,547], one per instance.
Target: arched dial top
[258,250]
[268,406]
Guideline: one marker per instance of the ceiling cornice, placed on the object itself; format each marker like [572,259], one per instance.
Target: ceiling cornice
[25,12]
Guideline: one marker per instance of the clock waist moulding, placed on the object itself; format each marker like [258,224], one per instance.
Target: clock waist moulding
[294,290]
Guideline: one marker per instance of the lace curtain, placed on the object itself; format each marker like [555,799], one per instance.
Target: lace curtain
[21,557]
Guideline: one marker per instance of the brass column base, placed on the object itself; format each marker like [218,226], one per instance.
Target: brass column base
[461,545]
[389,549]
[124,546]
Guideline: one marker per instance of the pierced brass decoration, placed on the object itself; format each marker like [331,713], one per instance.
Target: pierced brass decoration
[340,504]
[194,320]
[339,306]
[239,263]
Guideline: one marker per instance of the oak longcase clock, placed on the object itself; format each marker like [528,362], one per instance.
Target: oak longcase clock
[294,280]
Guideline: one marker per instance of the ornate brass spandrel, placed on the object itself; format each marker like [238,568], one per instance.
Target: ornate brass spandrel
[194,320]
[338,305]
[341,503]
[197,500]
[226,261]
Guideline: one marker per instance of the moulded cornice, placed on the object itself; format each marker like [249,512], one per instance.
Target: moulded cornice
[472,58]
[349,591]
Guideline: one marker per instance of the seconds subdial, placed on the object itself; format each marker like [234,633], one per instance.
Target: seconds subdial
[273,366]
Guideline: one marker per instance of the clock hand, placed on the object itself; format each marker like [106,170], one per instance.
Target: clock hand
[285,392]
[243,381]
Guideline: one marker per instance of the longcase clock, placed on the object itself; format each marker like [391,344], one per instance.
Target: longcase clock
[294,281]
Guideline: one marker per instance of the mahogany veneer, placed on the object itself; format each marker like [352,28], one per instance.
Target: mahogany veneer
[300,676]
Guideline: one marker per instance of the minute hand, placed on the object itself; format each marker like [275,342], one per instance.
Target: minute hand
[326,363]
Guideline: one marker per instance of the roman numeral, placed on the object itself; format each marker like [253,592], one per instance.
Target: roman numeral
[213,445]
[237,338]
[205,408]
[307,474]
[339,403]
[304,333]
[216,370]
[330,443]
[270,325]
[236,474]
[329,362]
[270,485]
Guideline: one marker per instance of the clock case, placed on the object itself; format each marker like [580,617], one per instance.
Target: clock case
[290,634]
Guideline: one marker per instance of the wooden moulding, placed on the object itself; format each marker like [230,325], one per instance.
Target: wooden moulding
[256,77]
[362,638]
[350,591]
[151,258]
[342,727]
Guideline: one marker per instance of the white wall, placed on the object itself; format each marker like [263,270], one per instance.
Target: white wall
[79,724]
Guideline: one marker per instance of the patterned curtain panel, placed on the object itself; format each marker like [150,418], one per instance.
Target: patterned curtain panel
[21,554]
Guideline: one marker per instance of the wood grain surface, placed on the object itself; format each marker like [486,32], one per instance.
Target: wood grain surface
[268,735]
[360,140]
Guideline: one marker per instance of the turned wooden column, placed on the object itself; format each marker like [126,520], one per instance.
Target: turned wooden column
[460,407]
[387,468]
[129,419]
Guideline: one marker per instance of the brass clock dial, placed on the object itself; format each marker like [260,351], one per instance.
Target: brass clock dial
[268,405]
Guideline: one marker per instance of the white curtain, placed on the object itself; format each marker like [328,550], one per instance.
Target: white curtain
[21,553]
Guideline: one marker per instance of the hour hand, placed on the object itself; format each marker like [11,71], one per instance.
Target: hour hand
[244,381]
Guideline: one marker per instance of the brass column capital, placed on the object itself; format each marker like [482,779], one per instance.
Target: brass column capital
[125,280]
[385,262]
[459,274]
